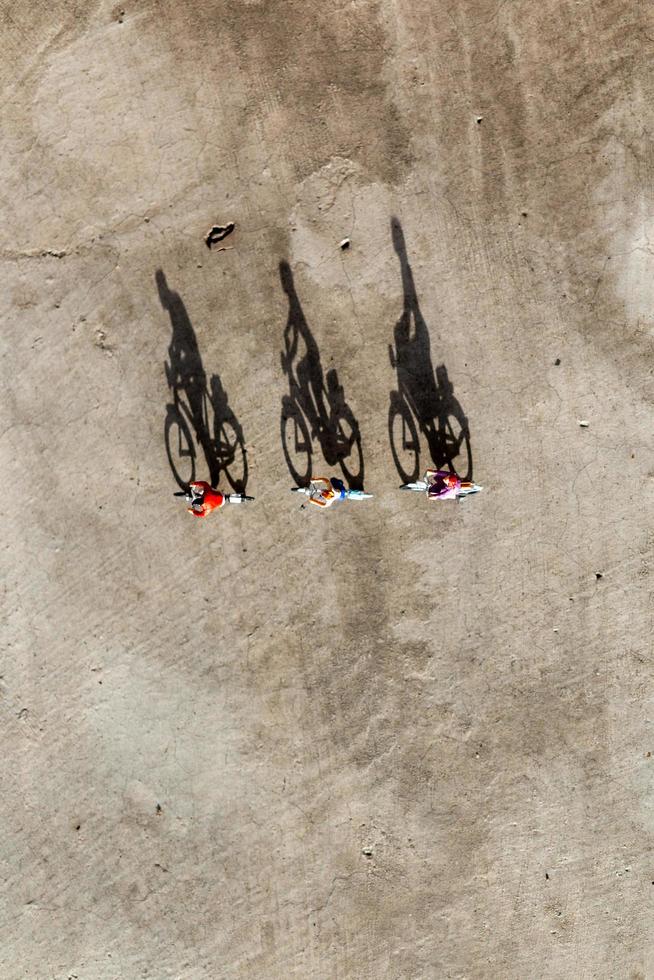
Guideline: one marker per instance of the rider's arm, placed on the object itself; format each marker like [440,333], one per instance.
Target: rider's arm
[321,479]
[291,338]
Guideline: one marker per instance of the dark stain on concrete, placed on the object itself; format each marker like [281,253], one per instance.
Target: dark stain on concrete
[318,78]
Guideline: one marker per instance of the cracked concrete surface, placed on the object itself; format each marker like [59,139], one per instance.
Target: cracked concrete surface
[395,740]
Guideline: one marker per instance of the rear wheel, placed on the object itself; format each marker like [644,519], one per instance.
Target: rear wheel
[405,442]
[180,447]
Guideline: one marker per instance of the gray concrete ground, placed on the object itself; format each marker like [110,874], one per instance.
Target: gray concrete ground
[394,740]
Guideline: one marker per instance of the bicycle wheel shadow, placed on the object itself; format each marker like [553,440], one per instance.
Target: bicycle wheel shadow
[315,409]
[424,403]
[199,420]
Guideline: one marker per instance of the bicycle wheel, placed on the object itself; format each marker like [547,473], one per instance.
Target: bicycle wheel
[405,442]
[296,442]
[230,453]
[456,447]
[180,447]
[348,448]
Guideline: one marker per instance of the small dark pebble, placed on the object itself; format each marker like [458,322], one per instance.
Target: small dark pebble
[598,575]
[158,807]
[557,361]
[547,877]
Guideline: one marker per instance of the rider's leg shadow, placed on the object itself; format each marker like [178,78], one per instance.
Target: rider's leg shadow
[452,447]
[228,442]
[343,439]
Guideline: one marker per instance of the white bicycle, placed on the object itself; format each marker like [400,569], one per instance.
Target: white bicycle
[324,492]
[194,496]
[421,486]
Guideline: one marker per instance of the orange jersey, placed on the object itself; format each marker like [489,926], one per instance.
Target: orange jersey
[322,496]
[211,500]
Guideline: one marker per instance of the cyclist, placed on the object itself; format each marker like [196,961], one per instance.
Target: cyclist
[326,491]
[203,498]
[442,485]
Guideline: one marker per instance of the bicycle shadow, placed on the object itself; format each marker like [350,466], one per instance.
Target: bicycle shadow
[315,408]
[199,416]
[424,402]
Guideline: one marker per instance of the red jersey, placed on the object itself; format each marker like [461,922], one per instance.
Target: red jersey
[211,500]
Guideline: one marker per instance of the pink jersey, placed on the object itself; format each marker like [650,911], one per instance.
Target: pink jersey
[442,485]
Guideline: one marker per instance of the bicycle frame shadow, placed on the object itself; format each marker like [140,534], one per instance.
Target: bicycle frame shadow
[199,420]
[424,402]
[315,410]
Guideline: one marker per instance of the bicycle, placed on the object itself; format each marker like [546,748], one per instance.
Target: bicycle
[446,431]
[421,486]
[337,433]
[230,498]
[190,412]
[334,491]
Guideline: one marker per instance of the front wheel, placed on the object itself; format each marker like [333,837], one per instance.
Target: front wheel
[180,447]
[405,442]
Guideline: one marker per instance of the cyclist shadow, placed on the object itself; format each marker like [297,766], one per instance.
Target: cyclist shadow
[424,402]
[315,410]
[199,421]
